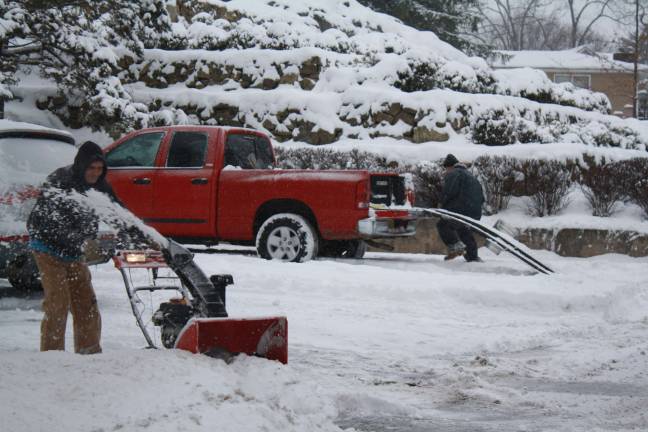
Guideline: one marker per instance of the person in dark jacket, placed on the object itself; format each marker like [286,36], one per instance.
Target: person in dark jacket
[462,193]
[58,227]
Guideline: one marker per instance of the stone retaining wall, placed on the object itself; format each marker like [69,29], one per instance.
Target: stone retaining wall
[586,242]
[572,242]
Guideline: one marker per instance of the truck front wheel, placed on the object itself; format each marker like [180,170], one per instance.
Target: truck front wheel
[287,237]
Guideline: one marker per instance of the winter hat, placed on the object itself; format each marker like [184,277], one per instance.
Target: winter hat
[88,152]
[450,161]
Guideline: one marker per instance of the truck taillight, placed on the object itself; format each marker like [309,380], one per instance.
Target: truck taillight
[411,196]
[363,194]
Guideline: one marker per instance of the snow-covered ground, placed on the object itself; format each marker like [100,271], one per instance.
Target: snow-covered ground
[391,342]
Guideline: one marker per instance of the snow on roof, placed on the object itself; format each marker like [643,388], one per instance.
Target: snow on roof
[573,59]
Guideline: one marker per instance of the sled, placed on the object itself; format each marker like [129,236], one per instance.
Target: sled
[495,238]
[196,319]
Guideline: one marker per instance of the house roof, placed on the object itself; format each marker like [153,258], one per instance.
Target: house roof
[576,59]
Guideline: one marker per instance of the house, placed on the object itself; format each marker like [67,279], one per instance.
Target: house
[600,72]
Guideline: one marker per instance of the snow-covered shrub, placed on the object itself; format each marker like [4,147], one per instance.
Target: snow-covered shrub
[176,39]
[600,184]
[112,109]
[424,75]
[526,131]
[156,23]
[494,128]
[497,175]
[419,77]
[547,183]
[598,134]
[170,116]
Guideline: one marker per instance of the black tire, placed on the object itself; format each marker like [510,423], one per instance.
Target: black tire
[287,237]
[23,274]
[354,249]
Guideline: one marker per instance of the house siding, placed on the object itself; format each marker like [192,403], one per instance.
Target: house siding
[616,86]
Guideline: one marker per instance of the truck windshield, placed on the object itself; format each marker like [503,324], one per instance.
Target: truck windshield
[248,152]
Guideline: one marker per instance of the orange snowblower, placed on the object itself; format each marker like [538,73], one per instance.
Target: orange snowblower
[197,320]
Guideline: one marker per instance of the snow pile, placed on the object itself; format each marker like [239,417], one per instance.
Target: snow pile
[163,390]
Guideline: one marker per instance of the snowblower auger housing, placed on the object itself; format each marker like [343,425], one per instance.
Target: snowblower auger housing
[198,321]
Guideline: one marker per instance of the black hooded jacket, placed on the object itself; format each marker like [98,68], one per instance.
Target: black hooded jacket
[60,223]
[462,193]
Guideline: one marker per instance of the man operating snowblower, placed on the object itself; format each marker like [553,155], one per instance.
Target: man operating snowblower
[59,225]
[462,193]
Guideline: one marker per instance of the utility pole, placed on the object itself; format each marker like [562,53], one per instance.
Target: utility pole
[1,98]
[635,74]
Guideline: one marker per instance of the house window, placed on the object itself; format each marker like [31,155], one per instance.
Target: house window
[582,81]
[579,80]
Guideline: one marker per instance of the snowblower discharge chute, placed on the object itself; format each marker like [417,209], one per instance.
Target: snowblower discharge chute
[198,320]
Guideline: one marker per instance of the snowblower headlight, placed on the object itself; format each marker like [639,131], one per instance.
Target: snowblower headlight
[134,258]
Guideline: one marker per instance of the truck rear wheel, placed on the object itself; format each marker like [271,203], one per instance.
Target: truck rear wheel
[355,249]
[344,249]
[287,237]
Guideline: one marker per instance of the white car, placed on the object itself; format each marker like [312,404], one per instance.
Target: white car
[28,154]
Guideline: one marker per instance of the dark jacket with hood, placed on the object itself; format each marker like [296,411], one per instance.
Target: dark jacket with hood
[462,193]
[58,223]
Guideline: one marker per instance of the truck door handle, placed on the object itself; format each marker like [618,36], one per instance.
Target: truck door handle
[199,181]
[142,181]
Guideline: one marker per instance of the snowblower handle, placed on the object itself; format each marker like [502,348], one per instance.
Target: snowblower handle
[209,300]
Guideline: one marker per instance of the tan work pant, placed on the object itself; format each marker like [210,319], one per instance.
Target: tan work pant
[68,287]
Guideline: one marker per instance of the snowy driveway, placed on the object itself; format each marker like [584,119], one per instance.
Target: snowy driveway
[388,343]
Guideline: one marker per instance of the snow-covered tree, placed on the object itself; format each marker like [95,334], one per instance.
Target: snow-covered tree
[86,48]
[454,21]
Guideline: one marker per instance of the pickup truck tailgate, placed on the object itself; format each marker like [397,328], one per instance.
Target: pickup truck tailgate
[387,190]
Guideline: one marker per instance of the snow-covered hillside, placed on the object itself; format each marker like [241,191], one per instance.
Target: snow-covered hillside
[318,72]
[321,72]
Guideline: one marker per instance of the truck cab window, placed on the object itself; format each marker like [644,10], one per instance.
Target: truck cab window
[187,150]
[139,151]
[248,152]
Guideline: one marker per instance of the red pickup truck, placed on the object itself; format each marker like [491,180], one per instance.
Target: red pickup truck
[204,184]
